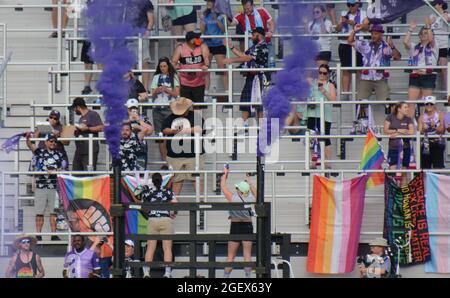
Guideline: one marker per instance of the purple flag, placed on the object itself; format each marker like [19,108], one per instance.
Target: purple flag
[10,144]
[386,11]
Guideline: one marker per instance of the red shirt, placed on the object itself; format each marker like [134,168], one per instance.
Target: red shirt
[265,17]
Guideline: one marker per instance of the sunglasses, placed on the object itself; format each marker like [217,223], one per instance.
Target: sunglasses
[25,241]
[351,4]
[51,141]
[323,73]
[317,12]
[429,104]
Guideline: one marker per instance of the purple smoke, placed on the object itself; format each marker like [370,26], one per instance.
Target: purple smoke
[109,23]
[289,83]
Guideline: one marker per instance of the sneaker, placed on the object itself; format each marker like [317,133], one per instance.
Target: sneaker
[86,90]
[39,238]
[55,238]
[167,275]
[53,35]
[146,276]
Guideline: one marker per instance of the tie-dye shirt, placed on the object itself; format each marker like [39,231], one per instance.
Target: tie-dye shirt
[373,56]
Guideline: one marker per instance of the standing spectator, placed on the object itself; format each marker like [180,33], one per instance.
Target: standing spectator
[212,22]
[431,123]
[129,257]
[424,54]
[181,153]
[88,65]
[130,146]
[140,125]
[255,57]
[375,53]
[159,222]
[192,54]
[322,90]
[89,123]
[397,124]
[320,25]
[135,88]
[349,19]
[105,263]
[184,18]
[25,263]
[165,88]
[81,262]
[240,220]
[49,160]
[441,35]
[64,16]
[249,20]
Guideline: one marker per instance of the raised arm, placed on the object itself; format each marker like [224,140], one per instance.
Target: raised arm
[30,145]
[407,39]
[223,186]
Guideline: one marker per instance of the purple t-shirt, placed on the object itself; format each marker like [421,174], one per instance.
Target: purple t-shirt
[79,265]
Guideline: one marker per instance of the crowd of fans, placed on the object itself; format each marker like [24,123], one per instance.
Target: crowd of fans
[177,117]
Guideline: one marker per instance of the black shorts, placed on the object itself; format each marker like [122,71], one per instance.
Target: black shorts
[196,94]
[427,81]
[85,58]
[393,157]
[443,53]
[324,55]
[241,228]
[187,19]
[218,50]
[345,55]
[314,124]
[434,160]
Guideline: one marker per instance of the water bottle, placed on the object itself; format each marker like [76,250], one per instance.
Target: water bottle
[387,107]
[426,146]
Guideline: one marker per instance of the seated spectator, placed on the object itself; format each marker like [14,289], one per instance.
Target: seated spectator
[212,22]
[255,57]
[159,222]
[396,125]
[349,19]
[422,81]
[431,123]
[240,220]
[164,89]
[249,20]
[294,119]
[130,146]
[81,262]
[88,123]
[49,160]
[64,16]
[135,88]
[129,257]
[139,124]
[321,90]
[181,153]
[25,263]
[320,25]
[192,54]
[375,53]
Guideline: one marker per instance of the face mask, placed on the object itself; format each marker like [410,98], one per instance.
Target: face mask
[197,42]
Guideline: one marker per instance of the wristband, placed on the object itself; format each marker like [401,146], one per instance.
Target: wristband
[232,48]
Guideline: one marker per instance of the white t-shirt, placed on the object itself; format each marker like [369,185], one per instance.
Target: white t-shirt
[348,28]
[323,43]
[439,27]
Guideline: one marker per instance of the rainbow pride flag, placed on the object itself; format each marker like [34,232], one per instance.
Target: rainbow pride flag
[437,204]
[336,218]
[372,159]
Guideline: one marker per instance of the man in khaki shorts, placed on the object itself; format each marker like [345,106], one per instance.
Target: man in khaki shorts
[183,122]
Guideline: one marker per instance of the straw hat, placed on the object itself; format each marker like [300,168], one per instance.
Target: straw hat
[379,242]
[180,106]
[23,236]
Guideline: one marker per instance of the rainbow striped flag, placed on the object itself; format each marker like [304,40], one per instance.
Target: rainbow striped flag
[437,204]
[372,159]
[337,210]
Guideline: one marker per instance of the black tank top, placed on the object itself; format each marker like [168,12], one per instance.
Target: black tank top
[26,270]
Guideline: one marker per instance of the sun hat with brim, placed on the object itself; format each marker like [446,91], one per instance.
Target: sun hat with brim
[243,187]
[379,242]
[23,236]
[180,106]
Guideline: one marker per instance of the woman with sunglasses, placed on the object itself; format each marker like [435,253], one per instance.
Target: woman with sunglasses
[25,263]
[353,16]
[431,123]
[425,55]
[320,25]
[54,119]
[321,90]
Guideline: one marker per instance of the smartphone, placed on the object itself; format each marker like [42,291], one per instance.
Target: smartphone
[320,85]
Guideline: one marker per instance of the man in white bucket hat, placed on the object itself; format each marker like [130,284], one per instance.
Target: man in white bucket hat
[377,264]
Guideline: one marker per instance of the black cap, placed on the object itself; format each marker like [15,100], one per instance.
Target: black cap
[78,102]
[259,30]
[192,34]
[50,136]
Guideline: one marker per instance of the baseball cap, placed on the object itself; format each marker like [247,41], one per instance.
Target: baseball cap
[430,99]
[259,30]
[50,136]
[129,242]
[243,186]
[192,34]
[132,102]
[55,113]
[351,1]
[78,102]
[376,28]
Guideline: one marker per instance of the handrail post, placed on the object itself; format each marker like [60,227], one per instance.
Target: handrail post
[59,46]
[2,235]
[91,153]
